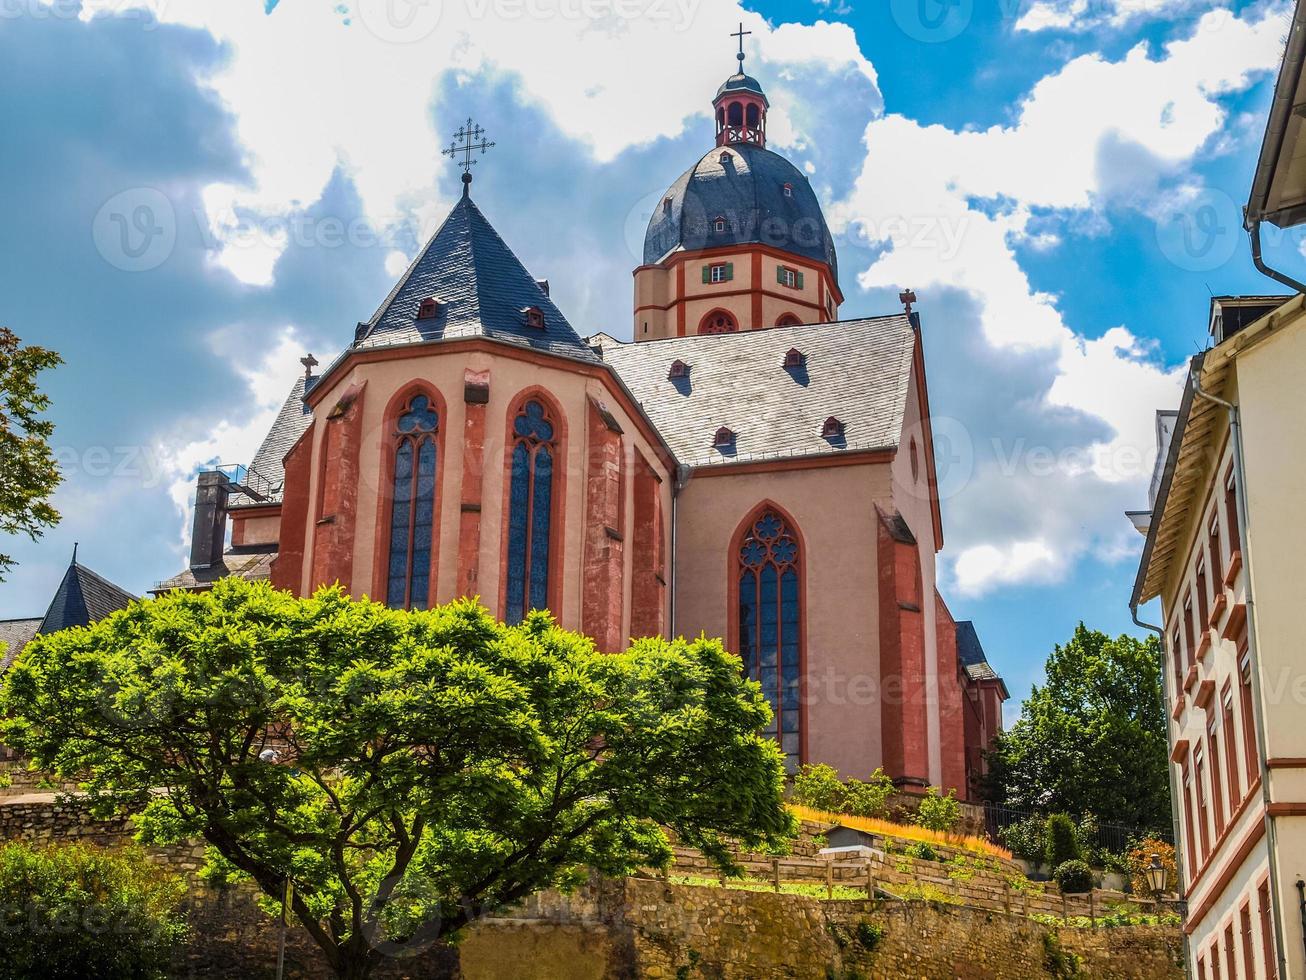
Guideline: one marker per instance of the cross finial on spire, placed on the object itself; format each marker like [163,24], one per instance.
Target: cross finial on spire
[741,34]
[469,138]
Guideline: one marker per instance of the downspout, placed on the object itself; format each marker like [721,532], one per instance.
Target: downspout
[1258,711]
[678,484]
[1254,229]
[1171,776]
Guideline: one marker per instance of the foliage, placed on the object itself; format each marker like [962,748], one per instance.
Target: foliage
[1092,738]
[28,470]
[1062,843]
[1056,960]
[1140,857]
[1027,838]
[74,911]
[936,812]
[923,891]
[433,765]
[819,787]
[891,831]
[869,935]
[806,889]
[920,850]
[1073,877]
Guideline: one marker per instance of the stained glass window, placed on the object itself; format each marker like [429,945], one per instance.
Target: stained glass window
[770,617]
[412,515]
[530,511]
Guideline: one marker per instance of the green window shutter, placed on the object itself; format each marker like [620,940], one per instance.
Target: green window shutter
[780,274]
[798,279]
[730,271]
[707,273]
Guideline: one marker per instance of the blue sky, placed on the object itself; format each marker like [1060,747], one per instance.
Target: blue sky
[199,191]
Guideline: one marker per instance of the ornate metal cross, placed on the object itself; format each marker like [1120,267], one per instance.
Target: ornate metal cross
[741,34]
[469,138]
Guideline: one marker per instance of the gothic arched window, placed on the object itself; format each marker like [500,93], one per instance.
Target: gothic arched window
[770,624]
[718,321]
[533,450]
[412,508]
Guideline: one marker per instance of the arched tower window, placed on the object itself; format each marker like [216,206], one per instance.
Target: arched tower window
[412,507]
[788,320]
[769,569]
[533,452]
[718,321]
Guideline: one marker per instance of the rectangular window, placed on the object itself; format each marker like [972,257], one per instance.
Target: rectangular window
[1199,784]
[1229,956]
[1213,550]
[788,277]
[1213,753]
[1201,968]
[1177,658]
[1268,951]
[1231,512]
[720,272]
[1203,598]
[1215,959]
[1189,836]
[1248,719]
[1230,748]
[1245,927]
[1189,644]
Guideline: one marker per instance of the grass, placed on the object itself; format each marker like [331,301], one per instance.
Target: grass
[888,828]
[807,889]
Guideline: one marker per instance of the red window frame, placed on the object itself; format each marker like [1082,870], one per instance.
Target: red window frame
[1189,835]
[1190,644]
[1230,956]
[1199,781]
[1249,954]
[1250,751]
[1231,511]
[1217,789]
[1203,596]
[1268,951]
[1214,551]
[1231,746]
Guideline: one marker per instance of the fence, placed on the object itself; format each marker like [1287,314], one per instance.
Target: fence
[1116,838]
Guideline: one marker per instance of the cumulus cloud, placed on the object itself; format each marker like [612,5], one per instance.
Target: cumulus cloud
[1084,140]
[1084,15]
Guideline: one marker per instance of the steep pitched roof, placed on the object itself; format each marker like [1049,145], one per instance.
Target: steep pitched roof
[970,653]
[291,422]
[14,635]
[857,371]
[482,288]
[82,598]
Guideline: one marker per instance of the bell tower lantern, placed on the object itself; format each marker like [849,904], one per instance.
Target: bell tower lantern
[741,105]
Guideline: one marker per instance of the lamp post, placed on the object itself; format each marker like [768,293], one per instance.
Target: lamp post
[1156,880]
[271,757]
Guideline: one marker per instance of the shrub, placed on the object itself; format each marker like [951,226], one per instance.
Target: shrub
[818,787]
[1062,845]
[921,851]
[869,935]
[1026,838]
[1141,856]
[870,798]
[1086,835]
[74,911]
[1074,877]
[941,813]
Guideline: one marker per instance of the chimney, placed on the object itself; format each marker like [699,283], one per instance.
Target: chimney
[209,533]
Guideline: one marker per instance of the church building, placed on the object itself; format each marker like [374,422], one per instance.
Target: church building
[748,466]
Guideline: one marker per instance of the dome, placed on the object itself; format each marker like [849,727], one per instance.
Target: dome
[740,83]
[748,191]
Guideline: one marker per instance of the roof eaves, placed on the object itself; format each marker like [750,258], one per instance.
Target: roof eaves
[1285,88]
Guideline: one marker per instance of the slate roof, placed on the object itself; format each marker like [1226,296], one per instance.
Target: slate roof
[253,564]
[14,635]
[748,192]
[291,422]
[855,370]
[739,82]
[82,598]
[483,290]
[971,655]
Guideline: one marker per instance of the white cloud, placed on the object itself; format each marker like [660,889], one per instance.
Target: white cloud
[1084,15]
[974,192]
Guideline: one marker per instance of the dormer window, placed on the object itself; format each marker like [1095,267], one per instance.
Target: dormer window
[789,190]
[679,369]
[534,317]
[832,429]
[725,158]
[794,358]
[719,224]
[666,205]
[428,308]
[723,439]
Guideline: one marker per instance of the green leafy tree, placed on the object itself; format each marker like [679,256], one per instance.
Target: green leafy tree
[28,471]
[1091,740]
[429,765]
[1062,843]
[938,812]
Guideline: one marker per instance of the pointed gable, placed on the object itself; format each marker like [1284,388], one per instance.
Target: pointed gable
[83,598]
[481,288]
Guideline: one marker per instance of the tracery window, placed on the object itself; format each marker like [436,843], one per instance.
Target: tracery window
[770,624]
[533,451]
[718,321]
[412,509]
